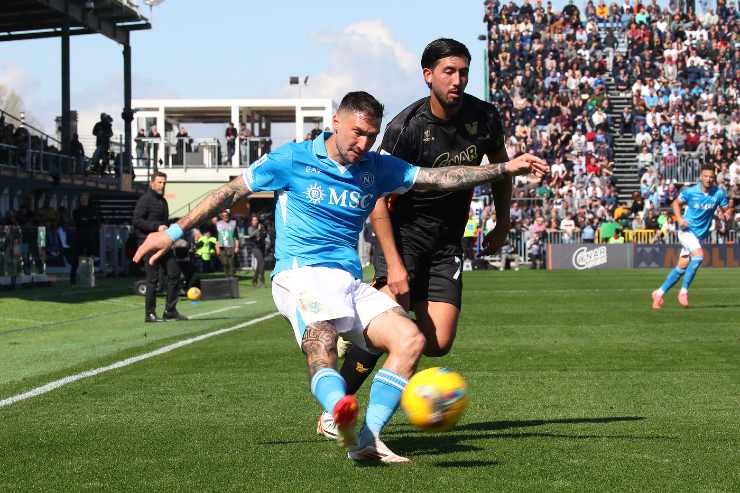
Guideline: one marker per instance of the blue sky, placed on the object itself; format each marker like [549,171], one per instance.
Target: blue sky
[241,48]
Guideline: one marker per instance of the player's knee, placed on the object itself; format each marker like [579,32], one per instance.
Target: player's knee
[437,350]
[696,259]
[411,343]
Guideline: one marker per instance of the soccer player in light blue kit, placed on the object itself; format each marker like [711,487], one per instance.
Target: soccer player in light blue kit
[325,189]
[701,201]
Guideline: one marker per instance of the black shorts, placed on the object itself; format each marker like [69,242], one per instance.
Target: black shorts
[433,276]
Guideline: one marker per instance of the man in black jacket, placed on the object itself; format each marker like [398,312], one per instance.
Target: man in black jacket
[150,215]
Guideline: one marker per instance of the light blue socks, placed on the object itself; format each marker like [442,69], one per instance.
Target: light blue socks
[385,395]
[328,386]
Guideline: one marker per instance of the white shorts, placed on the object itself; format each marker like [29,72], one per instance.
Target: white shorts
[308,295]
[689,242]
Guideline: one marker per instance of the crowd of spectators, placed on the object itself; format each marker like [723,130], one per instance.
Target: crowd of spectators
[16,141]
[29,239]
[32,151]
[548,76]
[684,82]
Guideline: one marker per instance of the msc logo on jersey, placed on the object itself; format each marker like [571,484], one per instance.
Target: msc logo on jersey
[352,199]
[367,179]
[346,199]
[705,206]
[315,193]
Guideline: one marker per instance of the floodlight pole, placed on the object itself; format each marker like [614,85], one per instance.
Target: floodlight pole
[128,114]
[66,137]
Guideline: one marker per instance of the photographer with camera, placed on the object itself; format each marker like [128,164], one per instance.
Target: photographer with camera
[103,131]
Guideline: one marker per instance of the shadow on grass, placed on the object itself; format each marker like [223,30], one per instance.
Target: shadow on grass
[417,442]
[293,442]
[467,463]
[63,292]
[370,463]
[506,425]
[711,307]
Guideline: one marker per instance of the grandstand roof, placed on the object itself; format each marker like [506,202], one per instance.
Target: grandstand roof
[33,19]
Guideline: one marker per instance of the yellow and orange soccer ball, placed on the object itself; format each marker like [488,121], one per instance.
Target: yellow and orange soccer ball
[193,294]
[435,398]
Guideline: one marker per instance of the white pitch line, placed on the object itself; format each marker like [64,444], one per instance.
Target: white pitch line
[126,362]
[117,302]
[233,307]
[26,320]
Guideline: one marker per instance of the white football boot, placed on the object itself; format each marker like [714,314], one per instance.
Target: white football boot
[326,426]
[372,448]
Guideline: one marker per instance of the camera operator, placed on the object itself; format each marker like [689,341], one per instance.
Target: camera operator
[536,251]
[103,131]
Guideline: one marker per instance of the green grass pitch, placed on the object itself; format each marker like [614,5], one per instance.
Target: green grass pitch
[575,385]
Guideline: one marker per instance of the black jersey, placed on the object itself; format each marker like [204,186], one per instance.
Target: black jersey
[417,136]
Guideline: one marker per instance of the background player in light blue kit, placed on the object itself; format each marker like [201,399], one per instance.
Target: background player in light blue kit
[325,190]
[701,201]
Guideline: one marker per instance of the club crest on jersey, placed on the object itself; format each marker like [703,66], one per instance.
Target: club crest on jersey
[428,135]
[472,128]
[367,179]
[315,193]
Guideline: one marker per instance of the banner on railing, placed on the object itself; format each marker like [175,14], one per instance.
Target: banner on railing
[589,256]
[651,256]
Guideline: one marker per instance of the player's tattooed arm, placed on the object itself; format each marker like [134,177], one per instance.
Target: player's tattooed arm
[320,346]
[462,177]
[219,199]
[157,244]
[400,311]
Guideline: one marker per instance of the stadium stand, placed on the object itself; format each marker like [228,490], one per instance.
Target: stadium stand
[627,101]
[39,195]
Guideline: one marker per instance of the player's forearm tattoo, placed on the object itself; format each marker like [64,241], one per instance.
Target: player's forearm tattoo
[457,177]
[221,198]
[320,346]
[400,311]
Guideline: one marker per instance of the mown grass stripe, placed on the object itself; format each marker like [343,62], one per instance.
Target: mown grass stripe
[126,362]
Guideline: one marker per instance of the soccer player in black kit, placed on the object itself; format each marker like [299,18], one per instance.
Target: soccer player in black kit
[420,232]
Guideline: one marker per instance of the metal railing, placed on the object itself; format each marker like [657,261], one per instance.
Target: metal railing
[518,241]
[113,259]
[34,151]
[185,209]
[686,170]
[188,152]
[716,237]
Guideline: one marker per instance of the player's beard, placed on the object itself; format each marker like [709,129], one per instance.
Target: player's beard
[344,154]
[451,107]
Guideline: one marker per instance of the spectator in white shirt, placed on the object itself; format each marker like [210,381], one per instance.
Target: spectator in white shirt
[645,158]
[642,138]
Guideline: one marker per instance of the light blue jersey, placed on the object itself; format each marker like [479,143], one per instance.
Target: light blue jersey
[321,206]
[700,207]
